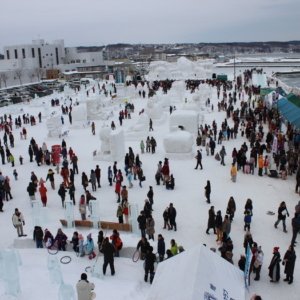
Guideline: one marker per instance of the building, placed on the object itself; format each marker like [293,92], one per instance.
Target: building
[73,55]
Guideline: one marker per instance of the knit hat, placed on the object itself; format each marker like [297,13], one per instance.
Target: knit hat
[89,236]
[276,249]
[46,230]
[80,236]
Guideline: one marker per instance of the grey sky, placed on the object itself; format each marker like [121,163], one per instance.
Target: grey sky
[98,22]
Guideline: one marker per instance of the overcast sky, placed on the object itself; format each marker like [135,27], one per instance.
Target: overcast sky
[99,22]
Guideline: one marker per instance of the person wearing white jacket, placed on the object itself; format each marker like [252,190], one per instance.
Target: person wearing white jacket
[84,288]
[18,222]
[259,257]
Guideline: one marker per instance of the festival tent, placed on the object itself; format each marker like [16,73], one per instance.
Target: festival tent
[290,111]
[197,273]
[293,98]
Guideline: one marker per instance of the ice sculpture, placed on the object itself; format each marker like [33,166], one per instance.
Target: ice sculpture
[52,262]
[9,273]
[94,210]
[133,210]
[97,270]
[36,213]
[69,213]
[66,292]
[45,214]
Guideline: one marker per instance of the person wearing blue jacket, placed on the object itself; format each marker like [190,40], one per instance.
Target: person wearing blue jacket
[129,177]
[247,220]
[161,247]
[90,246]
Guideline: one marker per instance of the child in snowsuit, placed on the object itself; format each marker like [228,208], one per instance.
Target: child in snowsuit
[80,245]
[90,246]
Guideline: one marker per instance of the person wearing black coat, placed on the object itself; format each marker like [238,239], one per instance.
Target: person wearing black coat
[218,225]
[172,216]
[38,235]
[100,239]
[166,219]
[199,159]
[170,184]
[108,250]
[31,191]
[150,195]
[249,206]
[147,208]
[207,191]
[62,193]
[248,241]
[2,153]
[144,245]
[296,227]
[274,267]
[289,260]
[142,223]
[75,241]
[149,265]
[161,247]
[282,213]
[211,220]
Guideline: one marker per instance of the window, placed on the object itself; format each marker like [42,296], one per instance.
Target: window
[23,53]
[16,53]
[32,52]
[46,54]
[7,54]
[56,54]
[77,60]
[51,54]
[40,57]
[84,61]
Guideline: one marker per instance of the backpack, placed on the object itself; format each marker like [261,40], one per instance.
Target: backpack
[121,246]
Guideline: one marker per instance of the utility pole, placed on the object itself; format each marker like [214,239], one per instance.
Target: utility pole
[234,66]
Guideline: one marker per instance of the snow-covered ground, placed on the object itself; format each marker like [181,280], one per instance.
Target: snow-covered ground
[188,198]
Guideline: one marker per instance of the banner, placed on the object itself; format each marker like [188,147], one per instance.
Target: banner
[274,146]
[247,267]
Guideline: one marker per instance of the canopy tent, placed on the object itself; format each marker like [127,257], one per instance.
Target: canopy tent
[290,111]
[222,77]
[197,273]
[293,98]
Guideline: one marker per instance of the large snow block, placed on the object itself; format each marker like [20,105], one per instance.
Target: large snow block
[117,145]
[154,109]
[178,142]
[189,120]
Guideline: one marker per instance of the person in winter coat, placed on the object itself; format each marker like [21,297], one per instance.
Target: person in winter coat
[165,172]
[144,245]
[266,163]
[218,225]
[249,206]
[274,267]
[75,241]
[150,195]
[124,194]
[118,190]
[93,180]
[109,175]
[153,144]
[65,175]
[161,247]
[296,227]
[166,218]
[82,207]
[226,225]
[174,247]
[62,193]
[233,172]
[289,260]
[211,220]
[81,245]
[43,193]
[120,213]
[169,253]
[199,159]
[142,146]
[98,175]
[259,257]
[142,223]
[170,183]
[129,178]
[31,191]
[207,191]
[247,220]
[71,189]
[84,288]
[84,181]
[108,250]
[172,216]
[7,189]
[90,246]
[38,235]
[89,197]
[149,265]
[297,180]
[223,154]
[147,209]
[116,241]
[100,239]
[248,241]
[242,263]
[150,223]
[126,211]
[260,165]
[282,213]
[61,240]
[140,174]
[231,208]
[50,176]
[228,257]
[48,239]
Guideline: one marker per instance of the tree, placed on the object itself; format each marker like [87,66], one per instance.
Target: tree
[31,76]
[4,77]
[19,74]
[39,73]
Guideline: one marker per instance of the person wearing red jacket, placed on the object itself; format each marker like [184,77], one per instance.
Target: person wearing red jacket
[116,241]
[71,152]
[118,190]
[43,193]
[65,175]
[165,172]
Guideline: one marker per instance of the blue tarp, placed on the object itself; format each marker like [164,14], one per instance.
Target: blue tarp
[290,111]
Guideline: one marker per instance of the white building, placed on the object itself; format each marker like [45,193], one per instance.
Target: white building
[36,55]
[73,56]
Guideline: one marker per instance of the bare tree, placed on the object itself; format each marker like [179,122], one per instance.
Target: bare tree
[39,73]
[4,77]
[19,74]
[31,76]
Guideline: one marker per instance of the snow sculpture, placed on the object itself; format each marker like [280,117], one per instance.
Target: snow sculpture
[190,105]
[112,145]
[165,99]
[69,213]
[177,91]
[36,213]
[94,210]
[82,94]
[189,120]
[178,142]
[130,91]
[79,116]
[54,126]
[186,66]
[133,209]
[66,292]
[142,124]
[9,273]
[67,90]
[154,109]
